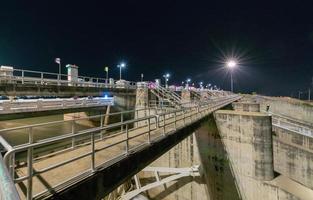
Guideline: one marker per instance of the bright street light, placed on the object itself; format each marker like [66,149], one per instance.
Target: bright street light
[231,64]
[201,84]
[166,77]
[121,65]
[187,82]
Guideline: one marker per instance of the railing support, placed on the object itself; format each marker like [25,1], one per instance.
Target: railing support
[29,194]
[73,132]
[127,139]
[93,153]
[149,131]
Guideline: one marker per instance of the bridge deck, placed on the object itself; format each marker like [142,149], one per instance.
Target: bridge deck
[41,177]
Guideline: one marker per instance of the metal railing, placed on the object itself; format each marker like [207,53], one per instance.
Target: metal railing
[154,126]
[33,105]
[291,124]
[7,188]
[22,76]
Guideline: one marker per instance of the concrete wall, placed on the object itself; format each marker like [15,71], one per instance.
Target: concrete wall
[293,108]
[246,106]
[247,138]
[293,156]
[184,154]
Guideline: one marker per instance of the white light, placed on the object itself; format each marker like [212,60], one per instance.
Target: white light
[188,80]
[231,64]
[122,64]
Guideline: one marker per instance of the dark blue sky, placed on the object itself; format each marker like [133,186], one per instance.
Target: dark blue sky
[185,38]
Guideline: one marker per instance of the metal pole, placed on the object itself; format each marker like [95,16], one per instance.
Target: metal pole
[29,195]
[231,81]
[107,76]
[93,152]
[120,72]
[60,67]
[127,138]
[309,94]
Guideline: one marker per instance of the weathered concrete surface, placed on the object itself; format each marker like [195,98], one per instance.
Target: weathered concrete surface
[293,155]
[248,141]
[293,108]
[246,106]
[184,154]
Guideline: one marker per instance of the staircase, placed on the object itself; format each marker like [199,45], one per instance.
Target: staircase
[196,95]
[164,95]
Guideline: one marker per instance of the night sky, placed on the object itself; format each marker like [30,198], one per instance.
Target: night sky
[273,40]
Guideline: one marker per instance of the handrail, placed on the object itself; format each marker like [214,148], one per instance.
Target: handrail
[69,120]
[178,115]
[55,78]
[7,188]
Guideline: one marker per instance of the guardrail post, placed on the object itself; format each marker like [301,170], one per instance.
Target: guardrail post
[101,125]
[93,153]
[127,138]
[73,132]
[30,166]
[149,131]
[164,124]
[175,120]
[122,120]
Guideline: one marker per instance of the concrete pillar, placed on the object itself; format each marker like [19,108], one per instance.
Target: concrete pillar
[185,96]
[248,137]
[107,117]
[142,101]
[246,106]
[72,74]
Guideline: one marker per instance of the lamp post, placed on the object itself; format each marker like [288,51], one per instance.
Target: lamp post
[201,85]
[106,69]
[166,77]
[122,65]
[187,83]
[231,64]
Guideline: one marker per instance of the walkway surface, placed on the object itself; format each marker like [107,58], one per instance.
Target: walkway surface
[72,165]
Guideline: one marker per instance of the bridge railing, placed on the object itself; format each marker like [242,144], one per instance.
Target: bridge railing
[148,128]
[22,76]
[29,105]
[7,188]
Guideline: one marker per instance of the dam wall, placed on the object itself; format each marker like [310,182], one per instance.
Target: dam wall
[247,138]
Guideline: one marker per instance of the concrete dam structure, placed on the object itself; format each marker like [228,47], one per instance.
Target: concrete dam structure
[268,161]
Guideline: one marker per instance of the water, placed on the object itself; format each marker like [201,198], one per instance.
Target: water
[19,137]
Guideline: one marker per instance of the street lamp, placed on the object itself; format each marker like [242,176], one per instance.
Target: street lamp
[231,64]
[201,85]
[121,65]
[187,82]
[166,77]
